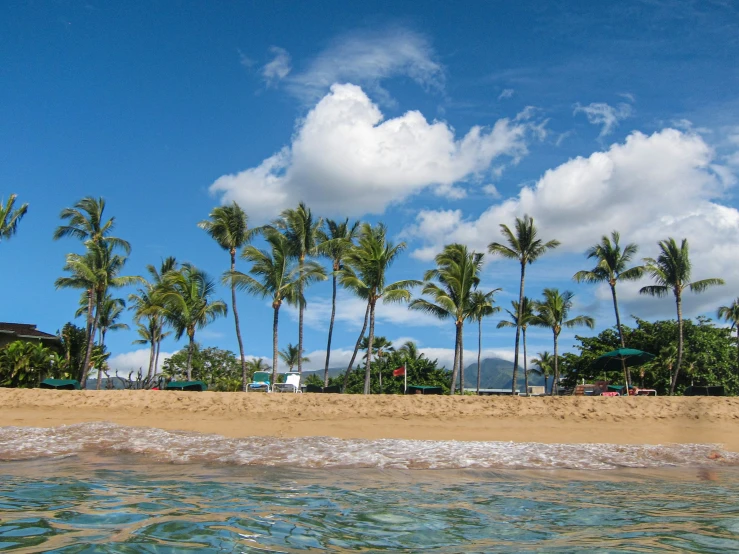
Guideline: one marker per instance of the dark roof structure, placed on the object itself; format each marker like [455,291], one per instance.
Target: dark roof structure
[25,331]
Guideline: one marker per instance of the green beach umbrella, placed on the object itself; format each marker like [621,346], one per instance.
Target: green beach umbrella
[616,359]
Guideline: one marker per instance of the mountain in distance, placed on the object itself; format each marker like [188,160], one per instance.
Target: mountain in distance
[498,374]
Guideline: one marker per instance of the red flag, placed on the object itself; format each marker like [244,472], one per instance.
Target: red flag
[398,372]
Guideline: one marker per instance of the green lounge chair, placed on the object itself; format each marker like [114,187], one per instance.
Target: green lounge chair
[260,382]
[186,386]
[60,384]
[423,389]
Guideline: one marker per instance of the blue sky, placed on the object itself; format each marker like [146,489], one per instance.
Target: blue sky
[443,122]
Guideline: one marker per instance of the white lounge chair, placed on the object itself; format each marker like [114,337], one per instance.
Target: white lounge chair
[260,382]
[291,384]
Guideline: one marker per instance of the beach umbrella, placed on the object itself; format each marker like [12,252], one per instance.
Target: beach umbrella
[621,357]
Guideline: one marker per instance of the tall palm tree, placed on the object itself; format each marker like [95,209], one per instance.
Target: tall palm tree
[731,314]
[410,351]
[380,347]
[188,301]
[350,280]
[10,217]
[290,356]
[544,367]
[301,231]
[97,271]
[481,306]
[671,271]
[368,263]
[335,242]
[524,246]
[275,275]
[85,222]
[611,268]
[458,274]
[552,312]
[527,316]
[228,227]
[110,312]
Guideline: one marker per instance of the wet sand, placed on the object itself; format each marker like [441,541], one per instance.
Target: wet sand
[643,420]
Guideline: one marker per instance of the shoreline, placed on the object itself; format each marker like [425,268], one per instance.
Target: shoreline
[565,420]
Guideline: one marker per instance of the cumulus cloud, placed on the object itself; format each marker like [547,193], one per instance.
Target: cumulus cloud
[605,115]
[278,68]
[347,159]
[367,58]
[649,187]
[135,360]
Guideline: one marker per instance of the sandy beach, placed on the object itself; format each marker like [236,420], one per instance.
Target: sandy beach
[643,420]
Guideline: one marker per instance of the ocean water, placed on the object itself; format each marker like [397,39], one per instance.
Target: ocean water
[107,488]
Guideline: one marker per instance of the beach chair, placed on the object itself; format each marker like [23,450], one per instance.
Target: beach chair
[260,382]
[291,384]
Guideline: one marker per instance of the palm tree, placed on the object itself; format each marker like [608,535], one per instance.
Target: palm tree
[335,242]
[110,310]
[97,271]
[9,217]
[188,301]
[611,268]
[671,271]
[290,356]
[527,316]
[410,351]
[275,276]
[524,246]
[380,347]
[301,231]
[481,306]
[552,312]
[228,227]
[85,222]
[731,314]
[544,366]
[457,273]
[367,264]
[350,281]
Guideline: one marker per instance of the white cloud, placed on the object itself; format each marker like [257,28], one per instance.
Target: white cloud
[278,68]
[345,158]
[600,113]
[649,188]
[368,58]
[507,93]
[135,360]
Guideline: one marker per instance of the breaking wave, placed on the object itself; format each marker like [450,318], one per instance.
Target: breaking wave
[22,443]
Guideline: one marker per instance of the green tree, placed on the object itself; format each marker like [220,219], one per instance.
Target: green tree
[380,347]
[74,345]
[275,275]
[302,233]
[10,217]
[110,311]
[187,297]
[219,369]
[544,366]
[449,287]
[409,350]
[611,268]
[334,242]
[482,305]
[24,364]
[671,271]
[85,221]
[524,246]
[290,356]
[228,227]
[552,312]
[730,314]
[368,263]
[527,316]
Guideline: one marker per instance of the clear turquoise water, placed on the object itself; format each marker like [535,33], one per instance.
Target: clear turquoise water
[130,504]
[106,488]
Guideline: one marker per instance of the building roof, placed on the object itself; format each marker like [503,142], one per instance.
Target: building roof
[25,331]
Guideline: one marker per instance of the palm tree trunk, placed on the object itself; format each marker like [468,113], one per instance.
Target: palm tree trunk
[301,308]
[546,382]
[330,330]
[455,366]
[525,363]
[356,349]
[152,353]
[100,369]
[159,347]
[461,359]
[274,343]
[369,347]
[555,377]
[189,355]
[518,327]
[90,346]
[479,353]
[627,376]
[236,322]
[678,301]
